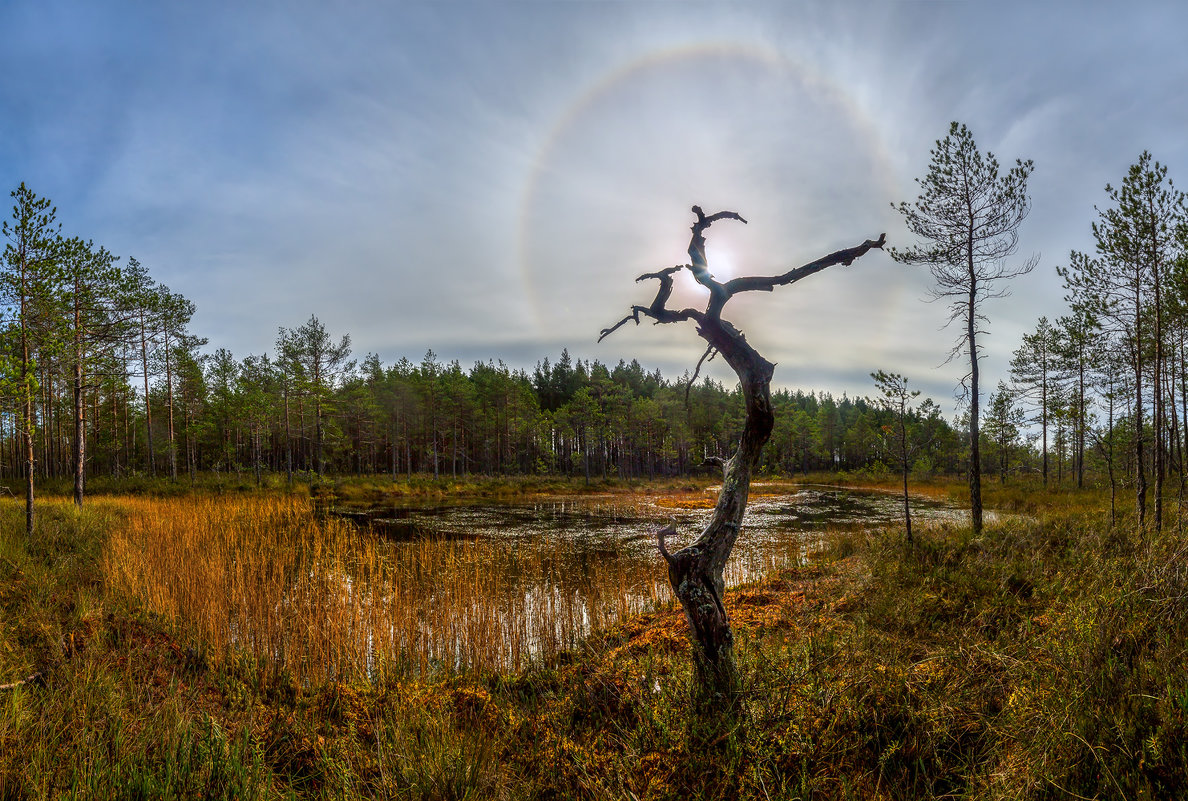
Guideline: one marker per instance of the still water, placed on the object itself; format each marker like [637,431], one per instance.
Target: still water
[519,580]
[776,524]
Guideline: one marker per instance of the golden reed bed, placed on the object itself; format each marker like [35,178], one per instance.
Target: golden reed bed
[323,600]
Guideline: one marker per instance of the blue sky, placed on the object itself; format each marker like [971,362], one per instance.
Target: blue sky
[488,179]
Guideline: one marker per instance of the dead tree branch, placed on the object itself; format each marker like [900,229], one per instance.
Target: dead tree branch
[766,284]
[696,570]
[656,310]
[710,353]
[30,679]
[667,531]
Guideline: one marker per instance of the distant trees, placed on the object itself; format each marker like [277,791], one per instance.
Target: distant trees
[256,395]
[111,380]
[110,350]
[1076,333]
[1004,425]
[1130,287]
[141,302]
[322,363]
[232,414]
[1035,371]
[897,399]
[174,315]
[966,219]
[91,283]
[100,373]
[1109,380]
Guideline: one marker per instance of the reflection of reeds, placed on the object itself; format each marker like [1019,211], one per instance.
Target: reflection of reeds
[323,600]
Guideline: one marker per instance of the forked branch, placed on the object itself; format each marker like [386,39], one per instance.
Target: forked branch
[720,292]
[657,311]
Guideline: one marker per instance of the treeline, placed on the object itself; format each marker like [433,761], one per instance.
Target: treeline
[102,376]
[308,408]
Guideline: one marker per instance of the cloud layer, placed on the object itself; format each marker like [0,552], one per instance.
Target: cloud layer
[488,179]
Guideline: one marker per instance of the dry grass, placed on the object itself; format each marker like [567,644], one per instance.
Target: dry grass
[322,600]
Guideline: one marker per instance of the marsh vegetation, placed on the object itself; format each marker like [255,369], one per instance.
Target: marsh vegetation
[1044,656]
[351,592]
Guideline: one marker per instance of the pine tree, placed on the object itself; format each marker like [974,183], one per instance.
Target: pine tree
[897,399]
[1139,237]
[1035,370]
[30,276]
[967,218]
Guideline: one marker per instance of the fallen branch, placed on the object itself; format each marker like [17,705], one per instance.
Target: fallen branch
[30,679]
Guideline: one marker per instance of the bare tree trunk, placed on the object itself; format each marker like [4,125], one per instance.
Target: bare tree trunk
[27,425]
[903,455]
[1081,420]
[1140,486]
[256,452]
[1182,437]
[148,407]
[169,402]
[696,572]
[1160,465]
[80,441]
[975,451]
[115,430]
[318,460]
[125,392]
[288,439]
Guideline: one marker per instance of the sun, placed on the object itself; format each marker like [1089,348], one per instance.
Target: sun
[721,263]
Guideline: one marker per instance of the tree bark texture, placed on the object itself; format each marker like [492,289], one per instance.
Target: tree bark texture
[696,570]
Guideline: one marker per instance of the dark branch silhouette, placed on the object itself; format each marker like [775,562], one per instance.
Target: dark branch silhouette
[766,284]
[695,571]
[707,356]
[657,310]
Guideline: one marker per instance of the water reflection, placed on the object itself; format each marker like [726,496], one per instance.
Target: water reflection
[544,573]
[615,526]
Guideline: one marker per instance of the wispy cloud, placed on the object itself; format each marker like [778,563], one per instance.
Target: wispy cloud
[488,179]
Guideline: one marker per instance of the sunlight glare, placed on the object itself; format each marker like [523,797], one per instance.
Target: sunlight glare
[721,263]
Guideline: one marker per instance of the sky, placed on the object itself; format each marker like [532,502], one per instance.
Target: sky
[488,179]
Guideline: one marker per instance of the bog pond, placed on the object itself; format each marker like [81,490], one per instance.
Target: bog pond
[340,591]
[556,568]
[780,527]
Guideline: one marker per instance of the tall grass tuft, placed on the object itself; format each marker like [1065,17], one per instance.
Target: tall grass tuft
[322,600]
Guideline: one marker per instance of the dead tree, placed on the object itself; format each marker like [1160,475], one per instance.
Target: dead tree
[695,571]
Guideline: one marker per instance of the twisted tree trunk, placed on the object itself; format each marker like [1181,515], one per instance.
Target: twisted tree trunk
[696,571]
